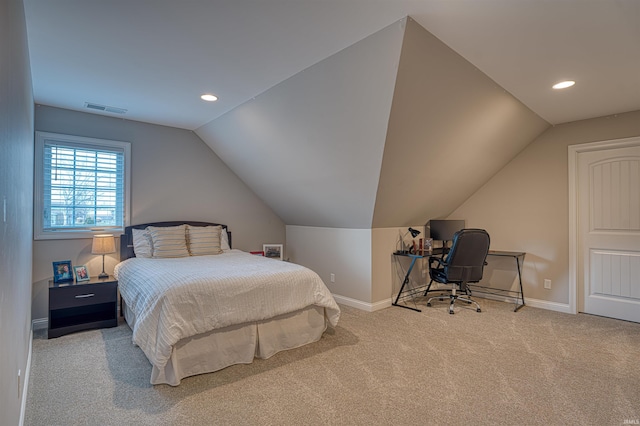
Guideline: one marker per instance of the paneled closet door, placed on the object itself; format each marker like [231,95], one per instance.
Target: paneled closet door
[609,232]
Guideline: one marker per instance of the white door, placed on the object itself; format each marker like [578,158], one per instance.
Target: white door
[609,232]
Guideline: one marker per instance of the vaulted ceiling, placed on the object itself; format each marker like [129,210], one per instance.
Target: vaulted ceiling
[155,57]
[391,131]
[338,112]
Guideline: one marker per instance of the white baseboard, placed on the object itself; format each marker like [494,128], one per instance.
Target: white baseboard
[25,386]
[551,306]
[534,303]
[359,304]
[39,324]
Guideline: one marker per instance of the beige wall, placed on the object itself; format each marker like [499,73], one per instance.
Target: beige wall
[344,252]
[367,275]
[174,176]
[16,189]
[450,129]
[525,206]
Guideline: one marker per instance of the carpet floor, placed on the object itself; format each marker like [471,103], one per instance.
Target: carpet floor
[393,366]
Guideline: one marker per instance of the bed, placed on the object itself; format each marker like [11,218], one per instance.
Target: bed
[213,306]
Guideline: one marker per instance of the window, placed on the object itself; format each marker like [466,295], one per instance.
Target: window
[81,186]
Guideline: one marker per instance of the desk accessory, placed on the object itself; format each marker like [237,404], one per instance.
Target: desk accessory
[404,247]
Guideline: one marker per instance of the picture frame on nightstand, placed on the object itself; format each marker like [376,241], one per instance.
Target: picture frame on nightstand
[62,272]
[82,273]
[272,251]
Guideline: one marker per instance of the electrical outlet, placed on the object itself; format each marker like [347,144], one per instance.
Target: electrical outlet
[547,284]
[333,277]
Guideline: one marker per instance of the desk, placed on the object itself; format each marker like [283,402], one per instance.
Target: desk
[406,290]
[519,295]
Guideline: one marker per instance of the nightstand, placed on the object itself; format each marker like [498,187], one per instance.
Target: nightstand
[76,306]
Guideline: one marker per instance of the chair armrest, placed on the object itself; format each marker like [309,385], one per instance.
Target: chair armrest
[440,260]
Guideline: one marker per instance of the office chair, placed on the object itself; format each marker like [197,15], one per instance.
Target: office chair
[463,265]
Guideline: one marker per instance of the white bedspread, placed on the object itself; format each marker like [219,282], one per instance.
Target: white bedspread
[177,298]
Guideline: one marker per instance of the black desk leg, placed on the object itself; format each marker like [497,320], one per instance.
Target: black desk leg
[521,291]
[404,283]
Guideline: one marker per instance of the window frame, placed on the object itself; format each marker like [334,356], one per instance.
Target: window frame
[39,233]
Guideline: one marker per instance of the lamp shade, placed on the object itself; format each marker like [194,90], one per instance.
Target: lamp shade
[103,244]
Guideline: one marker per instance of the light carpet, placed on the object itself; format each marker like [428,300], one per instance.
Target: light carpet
[393,366]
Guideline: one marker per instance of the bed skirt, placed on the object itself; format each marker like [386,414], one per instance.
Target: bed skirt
[238,344]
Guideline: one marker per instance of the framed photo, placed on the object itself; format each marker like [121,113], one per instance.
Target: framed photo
[273,251]
[62,272]
[82,273]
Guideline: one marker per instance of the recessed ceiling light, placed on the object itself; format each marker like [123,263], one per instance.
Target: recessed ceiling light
[564,84]
[208,97]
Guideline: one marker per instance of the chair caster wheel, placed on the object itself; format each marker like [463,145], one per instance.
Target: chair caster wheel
[429,304]
[450,312]
[478,310]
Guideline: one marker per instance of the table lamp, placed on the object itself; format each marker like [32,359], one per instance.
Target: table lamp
[103,244]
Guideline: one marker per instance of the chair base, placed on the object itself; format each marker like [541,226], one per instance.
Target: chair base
[453,298]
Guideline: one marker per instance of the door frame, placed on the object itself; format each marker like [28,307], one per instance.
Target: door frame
[576,292]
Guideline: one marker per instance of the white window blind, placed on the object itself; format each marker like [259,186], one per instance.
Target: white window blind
[84,186]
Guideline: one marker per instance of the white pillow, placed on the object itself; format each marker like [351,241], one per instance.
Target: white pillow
[168,241]
[224,240]
[204,240]
[142,243]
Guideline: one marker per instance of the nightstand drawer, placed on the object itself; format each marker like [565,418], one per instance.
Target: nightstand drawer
[82,295]
[82,306]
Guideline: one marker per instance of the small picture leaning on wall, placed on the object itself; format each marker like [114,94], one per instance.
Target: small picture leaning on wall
[273,251]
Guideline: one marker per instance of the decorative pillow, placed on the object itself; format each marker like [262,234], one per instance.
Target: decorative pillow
[224,240]
[169,241]
[204,240]
[142,243]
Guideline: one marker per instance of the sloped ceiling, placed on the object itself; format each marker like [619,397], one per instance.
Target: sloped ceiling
[311,147]
[335,146]
[155,57]
[451,128]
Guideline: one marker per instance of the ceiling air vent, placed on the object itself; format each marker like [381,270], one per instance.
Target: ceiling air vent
[104,108]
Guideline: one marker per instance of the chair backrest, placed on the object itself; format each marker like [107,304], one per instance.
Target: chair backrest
[466,259]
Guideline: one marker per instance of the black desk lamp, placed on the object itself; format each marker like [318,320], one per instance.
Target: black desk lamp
[414,232]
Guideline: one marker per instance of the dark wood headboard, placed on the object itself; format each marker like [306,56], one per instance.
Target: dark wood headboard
[126,239]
